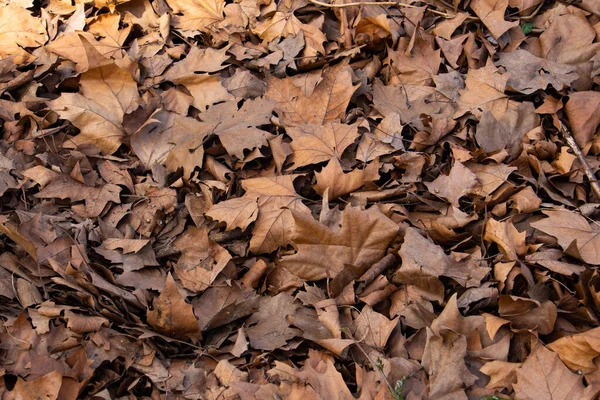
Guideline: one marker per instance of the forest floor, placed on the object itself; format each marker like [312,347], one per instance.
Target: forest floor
[296,199]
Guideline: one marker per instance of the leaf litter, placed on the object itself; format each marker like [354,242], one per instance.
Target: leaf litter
[207,199]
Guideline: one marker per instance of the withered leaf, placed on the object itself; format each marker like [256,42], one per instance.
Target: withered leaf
[172,316]
[107,94]
[544,376]
[574,234]
[323,252]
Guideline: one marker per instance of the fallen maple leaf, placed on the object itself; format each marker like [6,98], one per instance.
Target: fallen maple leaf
[324,252]
[107,94]
[491,13]
[459,183]
[575,235]
[172,316]
[327,103]
[544,376]
[312,144]
[96,198]
[579,351]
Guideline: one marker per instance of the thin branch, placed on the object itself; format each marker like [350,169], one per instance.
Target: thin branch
[378,3]
[581,157]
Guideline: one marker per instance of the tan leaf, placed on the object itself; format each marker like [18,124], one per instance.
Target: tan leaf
[18,29]
[444,361]
[452,187]
[340,183]
[205,89]
[196,15]
[271,328]
[373,328]
[544,377]
[323,252]
[318,372]
[510,241]
[312,144]
[172,316]
[107,94]
[236,213]
[484,91]
[491,13]
[574,234]
[423,262]
[275,224]
[502,373]
[45,387]
[201,260]
[96,198]
[489,176]
[161,133]
[197,60]
[582,110]
[529,73]
[578,351]
[327,103]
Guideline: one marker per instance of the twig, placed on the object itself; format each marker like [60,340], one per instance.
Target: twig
[377,3]
[584,164]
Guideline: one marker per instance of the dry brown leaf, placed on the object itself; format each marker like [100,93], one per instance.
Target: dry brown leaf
[529,73]
[312,144]
[373,328]
[172,316]
[423,262]
[197,15]
[339,183]
[574,234]
[459,183]
[579,351]
[107,94]
[502,373]
[510,241]
[323,252]
[444,361]
[544,376]
[46,387]
[236,213]
[582,110]
[269,328]
[96,198]
[326,104]
[19,29]
[201,260]
[491,13]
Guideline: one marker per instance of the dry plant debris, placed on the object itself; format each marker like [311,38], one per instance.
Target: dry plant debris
[285,199]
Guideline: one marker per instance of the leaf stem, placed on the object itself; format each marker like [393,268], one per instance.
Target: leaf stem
[581,157]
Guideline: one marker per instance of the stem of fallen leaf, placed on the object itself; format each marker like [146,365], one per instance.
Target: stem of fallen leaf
[581,157]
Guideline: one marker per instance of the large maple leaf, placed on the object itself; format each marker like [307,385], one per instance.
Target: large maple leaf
[361,240]
[107,94]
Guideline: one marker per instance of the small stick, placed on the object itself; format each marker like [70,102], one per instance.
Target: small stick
[586,167]
[377,3]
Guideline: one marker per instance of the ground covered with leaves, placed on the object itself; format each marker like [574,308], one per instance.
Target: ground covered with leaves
[291,199]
